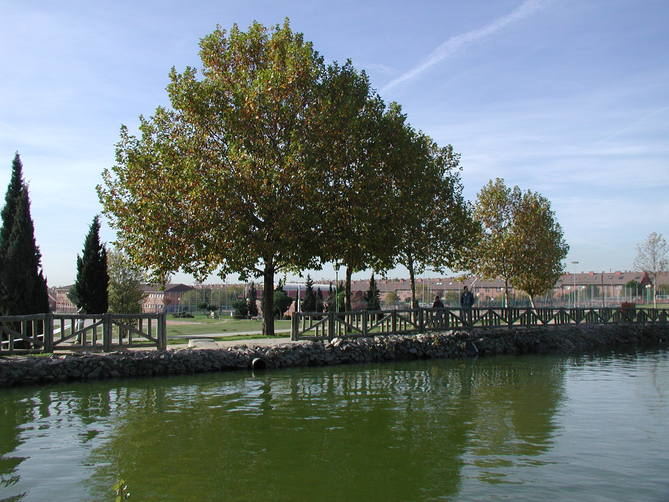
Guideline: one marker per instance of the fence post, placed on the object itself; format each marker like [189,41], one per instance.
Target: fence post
[421,320]
[48,332]
[162,331]
[294,326]
[509,318]
[393,321]
[106,332]
[331,325]
[365,323]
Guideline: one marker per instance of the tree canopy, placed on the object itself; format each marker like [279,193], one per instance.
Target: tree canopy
[23,287]
[521,240]
[90,289]
[223,181]
[126,284]
[653,257]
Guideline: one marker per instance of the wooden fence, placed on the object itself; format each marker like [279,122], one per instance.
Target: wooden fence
[329,325]
[105,332]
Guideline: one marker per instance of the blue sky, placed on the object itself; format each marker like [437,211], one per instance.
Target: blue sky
[569,98]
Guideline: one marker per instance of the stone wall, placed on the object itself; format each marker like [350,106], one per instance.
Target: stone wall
[562,340]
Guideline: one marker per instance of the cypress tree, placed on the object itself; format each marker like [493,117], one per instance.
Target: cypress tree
[309,302]
[373,295]
[23,287]
[91,287]
[320,304]
[8,213]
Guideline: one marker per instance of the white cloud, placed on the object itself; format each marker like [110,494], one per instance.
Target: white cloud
[457,42]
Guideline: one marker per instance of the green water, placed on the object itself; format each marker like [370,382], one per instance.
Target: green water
[517,429]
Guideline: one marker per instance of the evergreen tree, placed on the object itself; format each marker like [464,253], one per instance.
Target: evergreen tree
[23,287]
[309,302]
[331,299]
[373,296]
[253,298]
[281,301]
[91,288]
[320,304]
[8,214]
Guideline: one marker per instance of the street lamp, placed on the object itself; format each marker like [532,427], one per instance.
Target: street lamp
[574,279]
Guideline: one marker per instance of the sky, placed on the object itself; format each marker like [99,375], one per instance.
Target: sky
[569,98]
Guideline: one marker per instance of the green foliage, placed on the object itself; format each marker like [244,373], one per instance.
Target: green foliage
[90,288]
[23,287]
[434,226]
[221,179]
[373,296]
[391,298]
[281,303]
[126,284]
[241,308]
[521,240]
[309,301]
[633,287]
[320,302]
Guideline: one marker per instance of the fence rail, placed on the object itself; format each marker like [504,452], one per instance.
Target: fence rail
[329,325]
[48,332]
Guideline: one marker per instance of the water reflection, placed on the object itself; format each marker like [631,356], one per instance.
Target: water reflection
[386,432]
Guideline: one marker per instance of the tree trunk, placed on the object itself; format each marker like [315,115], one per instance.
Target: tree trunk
[506,293]
[412,280]
[534,308]
[268,300]
[349,273]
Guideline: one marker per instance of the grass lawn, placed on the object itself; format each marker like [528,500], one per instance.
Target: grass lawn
[202,325]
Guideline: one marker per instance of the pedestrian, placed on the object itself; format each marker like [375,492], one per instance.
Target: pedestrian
[466,301]
[438,307]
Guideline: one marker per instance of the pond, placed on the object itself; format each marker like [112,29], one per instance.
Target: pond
[589,428]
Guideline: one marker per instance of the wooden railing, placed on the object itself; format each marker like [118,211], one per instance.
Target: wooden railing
[48,332]
[329,325]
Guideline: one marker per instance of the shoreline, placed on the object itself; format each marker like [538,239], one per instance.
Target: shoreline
[581,339]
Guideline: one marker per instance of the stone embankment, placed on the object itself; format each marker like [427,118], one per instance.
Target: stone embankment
[477,343]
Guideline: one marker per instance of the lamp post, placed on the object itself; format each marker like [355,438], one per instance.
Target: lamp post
[573,274]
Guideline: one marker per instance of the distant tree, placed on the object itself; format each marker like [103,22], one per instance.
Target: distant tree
[320,302]
[241,308]
[309,302]
[126,284]
[540,248]
[281,301]
[90,288]
[253,298]
[633,287]
[23,287]
[373,295]
[521,241]
[653,258]
[391,298]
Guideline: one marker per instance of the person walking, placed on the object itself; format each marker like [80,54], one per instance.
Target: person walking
[466,301]
[438,307]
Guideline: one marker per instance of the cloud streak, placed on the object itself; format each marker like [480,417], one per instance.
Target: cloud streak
[457,42]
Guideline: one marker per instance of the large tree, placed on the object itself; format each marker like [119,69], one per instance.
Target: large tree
[653,258]
[434,226]
[359,148]
[23,287]
[225,180]
[90,289]
[521,241]
[126,284]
